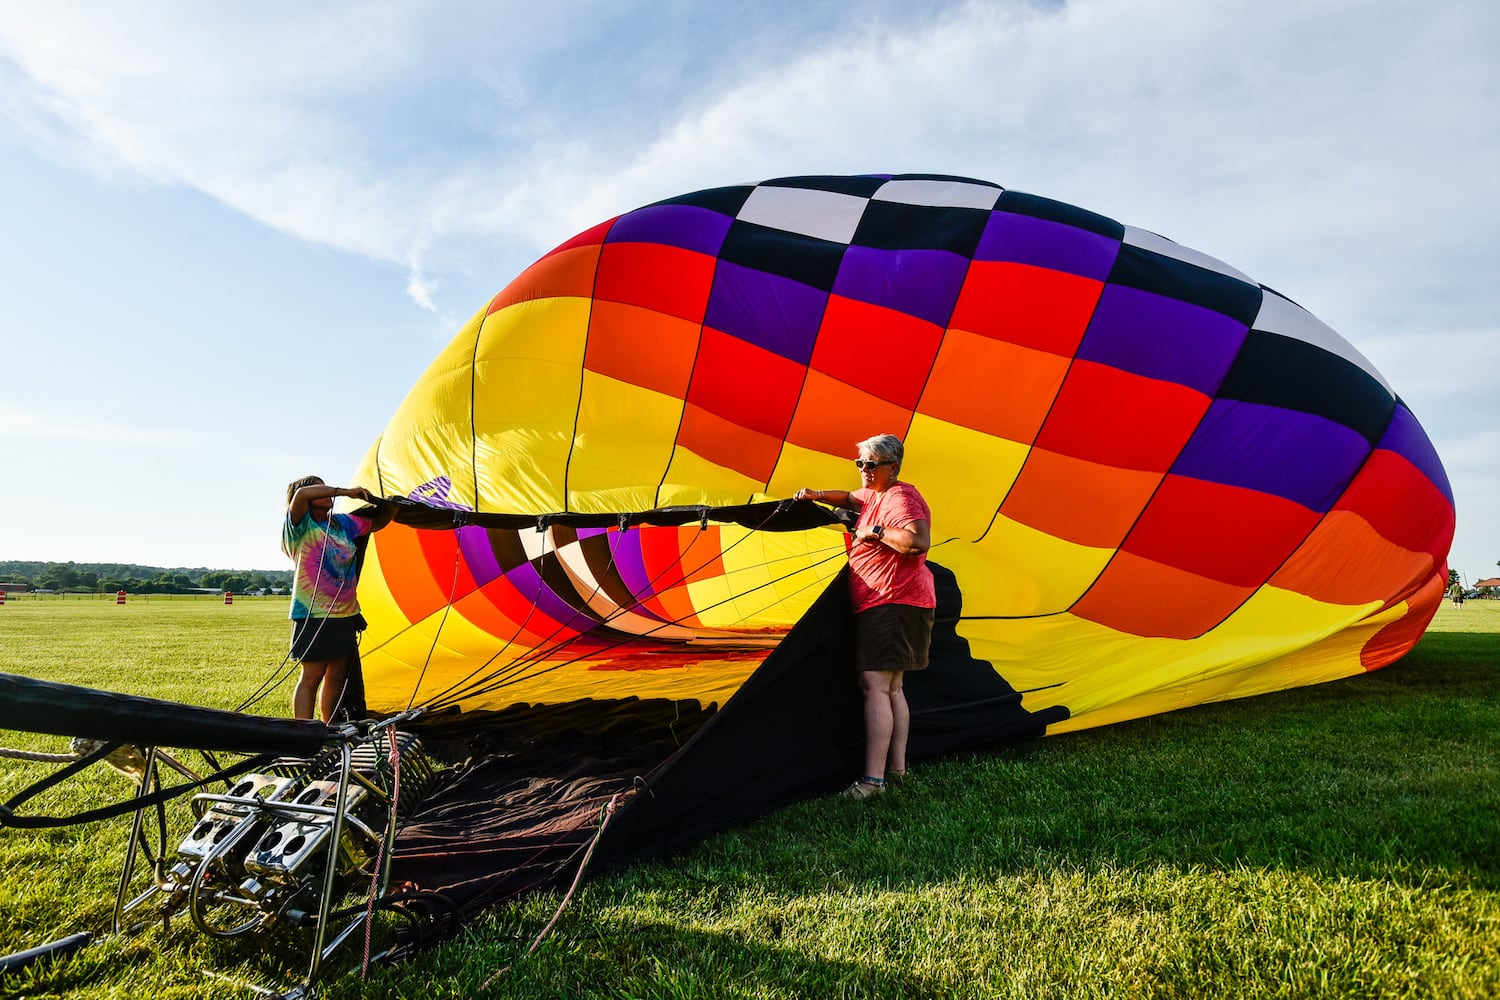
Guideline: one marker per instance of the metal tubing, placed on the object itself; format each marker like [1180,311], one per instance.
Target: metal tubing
[330,875]
[194,909]
[147,781]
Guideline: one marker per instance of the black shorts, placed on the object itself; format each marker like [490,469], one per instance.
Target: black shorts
[892,637]
[320,639]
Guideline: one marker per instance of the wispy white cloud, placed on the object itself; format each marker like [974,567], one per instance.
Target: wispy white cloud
[419,286]
[1287,139]
[269,114]
[1342,151]
[391,130]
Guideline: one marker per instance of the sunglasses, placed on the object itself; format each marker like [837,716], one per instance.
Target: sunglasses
[864,466]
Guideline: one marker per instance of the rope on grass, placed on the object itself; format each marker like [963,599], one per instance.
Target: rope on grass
[34,755]
[608,812]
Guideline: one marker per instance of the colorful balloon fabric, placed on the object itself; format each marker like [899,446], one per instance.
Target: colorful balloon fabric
[1156,482]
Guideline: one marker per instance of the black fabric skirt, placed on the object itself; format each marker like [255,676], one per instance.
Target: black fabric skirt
[325,638]
[892,637]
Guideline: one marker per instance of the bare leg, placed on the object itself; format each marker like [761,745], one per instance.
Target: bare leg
[879,720]
[333,688]
[900,725]
[306,695]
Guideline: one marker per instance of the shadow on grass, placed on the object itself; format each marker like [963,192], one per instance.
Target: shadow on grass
[1393,775]
[645,957]
[726,963]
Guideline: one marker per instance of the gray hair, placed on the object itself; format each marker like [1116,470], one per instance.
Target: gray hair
[887,447]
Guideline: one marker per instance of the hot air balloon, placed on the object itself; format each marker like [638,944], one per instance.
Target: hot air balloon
[1155,483]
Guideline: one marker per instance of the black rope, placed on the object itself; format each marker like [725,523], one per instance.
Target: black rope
[60,775]
[9,818]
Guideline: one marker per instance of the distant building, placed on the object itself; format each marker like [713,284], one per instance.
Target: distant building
[15,588]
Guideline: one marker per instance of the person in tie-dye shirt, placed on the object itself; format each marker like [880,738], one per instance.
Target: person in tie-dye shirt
[325,550]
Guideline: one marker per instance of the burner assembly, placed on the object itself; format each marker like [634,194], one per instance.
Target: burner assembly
[300,844]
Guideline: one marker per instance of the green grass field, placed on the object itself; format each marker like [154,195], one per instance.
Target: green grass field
[1334,841]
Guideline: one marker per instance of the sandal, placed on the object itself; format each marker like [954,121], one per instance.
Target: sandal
[864,788]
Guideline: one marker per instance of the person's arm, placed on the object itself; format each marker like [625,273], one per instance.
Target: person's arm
[322,491]
[833,498]
[910,539]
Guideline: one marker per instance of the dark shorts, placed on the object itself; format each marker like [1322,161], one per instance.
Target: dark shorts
[325,638]
[892,637]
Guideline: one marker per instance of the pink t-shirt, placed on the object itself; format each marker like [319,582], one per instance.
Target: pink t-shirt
[878,574]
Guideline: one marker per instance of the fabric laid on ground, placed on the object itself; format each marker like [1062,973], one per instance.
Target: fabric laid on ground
[519,810]
[519,813]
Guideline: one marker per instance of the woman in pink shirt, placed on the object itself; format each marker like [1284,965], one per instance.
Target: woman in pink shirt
[893,595]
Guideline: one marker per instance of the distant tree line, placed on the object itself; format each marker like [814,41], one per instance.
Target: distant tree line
[107,578]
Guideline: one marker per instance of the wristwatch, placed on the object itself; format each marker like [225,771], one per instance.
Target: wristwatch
[878,530]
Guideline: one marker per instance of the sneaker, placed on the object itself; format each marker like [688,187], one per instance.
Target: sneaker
[864,788]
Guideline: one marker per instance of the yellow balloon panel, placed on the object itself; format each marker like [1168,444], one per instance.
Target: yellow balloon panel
[525,377]
[962,506]
[622,445]
[1027,572]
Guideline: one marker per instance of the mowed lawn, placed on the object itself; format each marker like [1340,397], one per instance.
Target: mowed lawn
[1341,840]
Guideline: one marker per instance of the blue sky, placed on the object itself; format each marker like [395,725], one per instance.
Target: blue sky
[235,235]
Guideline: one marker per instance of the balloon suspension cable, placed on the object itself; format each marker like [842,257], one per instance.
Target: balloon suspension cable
[447,606]
[452,595]
[463,687]
[475,683]
[627,640]
[540,522]
[449,692]
[512,675]
[514,672]
[515,669]
[276,678]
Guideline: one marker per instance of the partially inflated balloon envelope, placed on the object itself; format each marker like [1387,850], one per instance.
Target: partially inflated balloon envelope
[1155,482]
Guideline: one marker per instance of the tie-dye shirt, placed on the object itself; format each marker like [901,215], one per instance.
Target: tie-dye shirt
[324,554]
